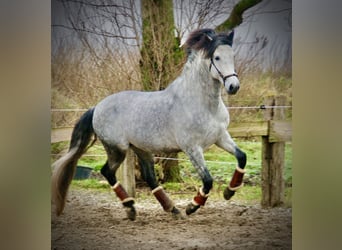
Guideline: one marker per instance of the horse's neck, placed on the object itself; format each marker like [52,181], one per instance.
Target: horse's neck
[198,87]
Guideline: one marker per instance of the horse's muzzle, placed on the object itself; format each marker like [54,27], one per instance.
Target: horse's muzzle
[232,88]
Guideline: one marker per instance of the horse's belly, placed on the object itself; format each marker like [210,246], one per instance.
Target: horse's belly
[154,142]
[209,139]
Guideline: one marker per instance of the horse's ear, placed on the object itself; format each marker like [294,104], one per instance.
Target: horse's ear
[209,37]
[230,38]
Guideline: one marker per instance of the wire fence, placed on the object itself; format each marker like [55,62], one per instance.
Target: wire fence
[170,159]
[261,107]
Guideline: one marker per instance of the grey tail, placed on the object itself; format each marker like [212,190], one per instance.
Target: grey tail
[64,168]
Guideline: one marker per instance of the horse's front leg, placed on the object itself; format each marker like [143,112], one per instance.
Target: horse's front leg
[197,159]
[227,143]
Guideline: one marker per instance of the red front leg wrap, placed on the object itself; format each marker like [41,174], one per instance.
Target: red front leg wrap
[200,198]
[121,193]
[163,199]
[237,178]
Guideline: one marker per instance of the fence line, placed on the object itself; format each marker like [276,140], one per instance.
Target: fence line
[217,162]
[170,159]
[260,107]
[67,110]
[236,107]
[274,130]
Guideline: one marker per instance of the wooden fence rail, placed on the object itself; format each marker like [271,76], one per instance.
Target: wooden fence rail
[277,130]
[274,131]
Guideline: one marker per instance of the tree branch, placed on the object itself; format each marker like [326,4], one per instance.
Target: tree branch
[92,4]
[235,18]
[102,33]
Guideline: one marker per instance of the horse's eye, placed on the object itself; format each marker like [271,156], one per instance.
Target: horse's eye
[217,58]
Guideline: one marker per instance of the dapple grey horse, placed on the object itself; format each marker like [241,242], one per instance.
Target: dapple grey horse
[189,116]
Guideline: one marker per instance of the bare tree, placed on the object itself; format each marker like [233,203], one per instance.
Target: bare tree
[160,52]
[98,50]
[195,14]
[235,18]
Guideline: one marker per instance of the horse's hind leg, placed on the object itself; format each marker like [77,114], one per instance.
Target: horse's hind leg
[146,163]
[227,143]
[115,158]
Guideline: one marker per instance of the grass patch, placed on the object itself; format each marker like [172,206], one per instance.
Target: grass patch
[89,184]
[248,194]
[173,186]
[222,164]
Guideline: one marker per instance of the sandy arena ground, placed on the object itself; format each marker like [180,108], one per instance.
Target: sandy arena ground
[95,219]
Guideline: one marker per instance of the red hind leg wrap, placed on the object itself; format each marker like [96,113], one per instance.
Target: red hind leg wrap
[236,181]
[163,199]
[200,198]
[121,193]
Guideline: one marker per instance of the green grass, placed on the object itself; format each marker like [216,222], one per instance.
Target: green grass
[94,158]
[222,164]
[248,194]
[89,184]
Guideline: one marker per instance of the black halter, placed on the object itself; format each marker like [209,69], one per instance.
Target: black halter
[224,78]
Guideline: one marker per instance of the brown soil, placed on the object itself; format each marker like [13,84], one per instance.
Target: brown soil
[94,219]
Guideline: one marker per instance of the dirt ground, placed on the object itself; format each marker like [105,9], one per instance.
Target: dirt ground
[95,219]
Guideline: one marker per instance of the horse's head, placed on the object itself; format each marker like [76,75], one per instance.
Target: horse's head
[218,50]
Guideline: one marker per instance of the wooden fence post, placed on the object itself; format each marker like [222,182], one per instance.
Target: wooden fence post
[273,156]
[126,173]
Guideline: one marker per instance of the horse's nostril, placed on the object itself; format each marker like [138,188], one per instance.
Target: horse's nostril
[232,89]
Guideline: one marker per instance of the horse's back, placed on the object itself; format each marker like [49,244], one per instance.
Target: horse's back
[134,117]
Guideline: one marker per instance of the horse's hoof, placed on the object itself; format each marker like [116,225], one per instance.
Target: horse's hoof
[227,194]
[191,208]
[176,214]
[131,213]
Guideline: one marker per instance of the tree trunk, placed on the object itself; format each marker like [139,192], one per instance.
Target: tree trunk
[235,18]
[160,52]
[171,170]
[161,59]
